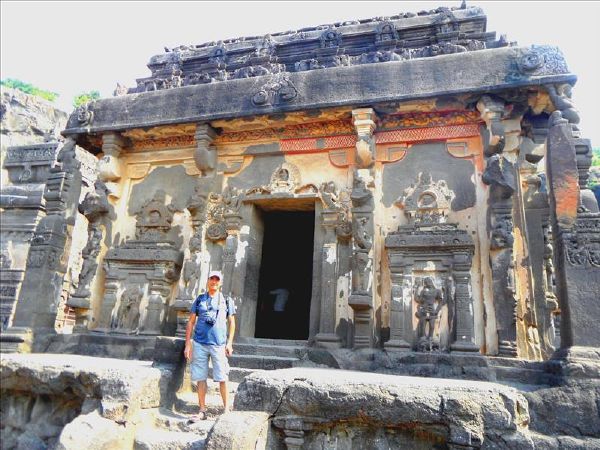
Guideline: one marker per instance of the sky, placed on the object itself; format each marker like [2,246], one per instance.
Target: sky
[73,47]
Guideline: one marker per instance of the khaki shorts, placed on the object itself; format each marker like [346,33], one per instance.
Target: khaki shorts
[201,353]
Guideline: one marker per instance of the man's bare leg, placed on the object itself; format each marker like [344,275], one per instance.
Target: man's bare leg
[224,395]
[202,387]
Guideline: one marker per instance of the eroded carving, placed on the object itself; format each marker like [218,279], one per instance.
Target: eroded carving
[429,300]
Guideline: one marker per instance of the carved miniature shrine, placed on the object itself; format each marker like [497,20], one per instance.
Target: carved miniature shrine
[413,182]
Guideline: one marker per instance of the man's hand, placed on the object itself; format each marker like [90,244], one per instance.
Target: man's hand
[229,349]
[188,351]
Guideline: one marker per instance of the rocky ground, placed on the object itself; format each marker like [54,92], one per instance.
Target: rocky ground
[73,402]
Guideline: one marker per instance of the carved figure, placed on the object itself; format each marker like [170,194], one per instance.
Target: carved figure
[429,301]
[362,238]
[360,195]
[502,234]
[90,253]
[128,315]
[95,203]
[360,278]
[197,202]
[266,47]
[329,196]
[191,275]
[232,201]
[561,98]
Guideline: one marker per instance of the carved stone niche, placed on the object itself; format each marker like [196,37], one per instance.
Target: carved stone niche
[140,274]
[430,267]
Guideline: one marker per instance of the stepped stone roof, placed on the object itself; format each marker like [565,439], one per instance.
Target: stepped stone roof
[381,39]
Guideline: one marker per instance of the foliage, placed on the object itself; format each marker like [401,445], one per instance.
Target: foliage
[29,89]
[596,156]
[85,97]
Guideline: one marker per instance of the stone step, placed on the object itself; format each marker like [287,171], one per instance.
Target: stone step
[159,439]
[263,362]
[521,375]
[168,420]
[268,341]
[289,351]
[187,403]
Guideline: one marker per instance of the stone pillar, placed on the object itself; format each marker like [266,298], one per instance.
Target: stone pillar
[576,233]
[327,336]
[500,174]
[49,252]
[400,275]
[463,339]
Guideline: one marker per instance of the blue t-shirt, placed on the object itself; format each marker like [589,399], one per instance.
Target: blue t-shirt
[216,308]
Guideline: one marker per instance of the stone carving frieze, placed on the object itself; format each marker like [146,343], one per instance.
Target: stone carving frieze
[582,246]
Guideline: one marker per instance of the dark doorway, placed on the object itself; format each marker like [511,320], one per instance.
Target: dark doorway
[285,271]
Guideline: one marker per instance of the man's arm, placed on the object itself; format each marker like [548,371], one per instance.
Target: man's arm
[230,333]
[188,336]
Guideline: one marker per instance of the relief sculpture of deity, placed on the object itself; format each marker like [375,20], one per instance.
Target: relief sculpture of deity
[429,301]
[128,315]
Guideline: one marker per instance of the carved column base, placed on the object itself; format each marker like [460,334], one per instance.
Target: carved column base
[464,347]
[361,304]
[182,308]
[328,340]
[507,349]
[82,307]
[16,340]
[397,345]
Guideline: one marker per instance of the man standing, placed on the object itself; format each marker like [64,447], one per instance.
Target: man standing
[212,324]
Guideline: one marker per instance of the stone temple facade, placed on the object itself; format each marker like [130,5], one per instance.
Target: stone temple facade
[417,185]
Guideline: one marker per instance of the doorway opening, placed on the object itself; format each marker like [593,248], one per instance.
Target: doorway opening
[285,281]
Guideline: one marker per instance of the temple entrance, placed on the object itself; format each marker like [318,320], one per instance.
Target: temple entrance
[285,282]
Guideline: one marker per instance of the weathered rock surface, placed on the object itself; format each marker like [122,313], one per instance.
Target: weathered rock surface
[53,397]
[396,410]
[251,431]
[27,119]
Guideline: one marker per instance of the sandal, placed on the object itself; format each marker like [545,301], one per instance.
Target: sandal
[198,417]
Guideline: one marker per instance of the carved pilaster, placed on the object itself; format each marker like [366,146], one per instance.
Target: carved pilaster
[205,155]
[361,299]
[364,123]
[500,175]
[327,336]
[463,339]
[399,303]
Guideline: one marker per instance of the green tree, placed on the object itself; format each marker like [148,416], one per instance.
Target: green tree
[85,97]
[596,156]
[29,89]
